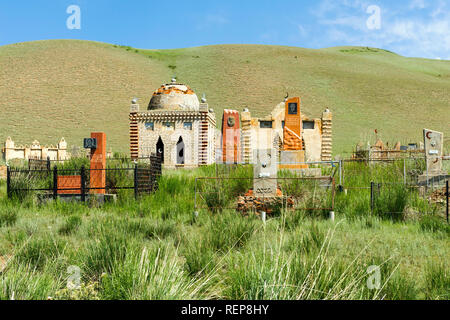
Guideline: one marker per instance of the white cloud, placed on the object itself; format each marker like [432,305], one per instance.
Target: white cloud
[417,4]
[302,31]
[216,19]
[212,19]
[439,9]
[421,36]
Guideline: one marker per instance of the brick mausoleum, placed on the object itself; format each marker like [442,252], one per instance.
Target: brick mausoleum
[176,125]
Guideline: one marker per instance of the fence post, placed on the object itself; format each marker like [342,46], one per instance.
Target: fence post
[8,182]
[333,194]
[48,163]
[136,181]
[55,182]
[404,171]
[195,195]
[83,184]
[372,185]
[447,194]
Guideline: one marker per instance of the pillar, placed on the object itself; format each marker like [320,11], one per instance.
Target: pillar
[231,137]
[327,135]
[134,131]
[98,163]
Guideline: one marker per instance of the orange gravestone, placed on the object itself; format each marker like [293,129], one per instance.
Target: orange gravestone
[293,153]
[231,137]
[69,184]
[292,125]
[98,164]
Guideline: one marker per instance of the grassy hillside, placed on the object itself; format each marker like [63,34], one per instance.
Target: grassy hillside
[51,89]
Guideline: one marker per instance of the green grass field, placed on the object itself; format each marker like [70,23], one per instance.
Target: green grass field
[156,248]
[69,88]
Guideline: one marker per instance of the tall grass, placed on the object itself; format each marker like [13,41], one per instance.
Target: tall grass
[152,274]
[156,248]
[8,216]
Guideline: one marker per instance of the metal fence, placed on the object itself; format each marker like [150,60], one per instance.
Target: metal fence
[359,173]
[393,199]
[55,182]
[293,193]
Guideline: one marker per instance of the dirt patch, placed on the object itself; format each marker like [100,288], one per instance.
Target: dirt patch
[439,196]
[249,203]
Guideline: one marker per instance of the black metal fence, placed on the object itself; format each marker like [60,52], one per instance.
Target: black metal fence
[139,179]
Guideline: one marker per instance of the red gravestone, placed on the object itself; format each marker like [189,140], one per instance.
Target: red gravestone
[98,164]
[231,137]
[69,184]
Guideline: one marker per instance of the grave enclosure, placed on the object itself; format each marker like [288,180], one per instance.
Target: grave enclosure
[98,182]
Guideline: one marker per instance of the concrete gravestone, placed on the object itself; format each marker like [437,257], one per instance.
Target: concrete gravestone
[434,142]
[265,173]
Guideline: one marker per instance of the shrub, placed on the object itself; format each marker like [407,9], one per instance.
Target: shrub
[216,198]
[8,217]
[103,253]
[306,242]
[86,291]
[391,201]
[437,281]
[71,225]
[151,274]
[292,219]
[230,230]
[152,229]
[199,257]
[23,282]
[37,252]
[435,224]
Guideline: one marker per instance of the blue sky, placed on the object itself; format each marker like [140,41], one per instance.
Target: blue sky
[413,28]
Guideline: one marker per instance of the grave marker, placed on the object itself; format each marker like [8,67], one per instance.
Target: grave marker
[231,137]
[98,164]
[434,142]
[265,173]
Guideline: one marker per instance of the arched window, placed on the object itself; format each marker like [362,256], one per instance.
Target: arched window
[180,151]
[160,149]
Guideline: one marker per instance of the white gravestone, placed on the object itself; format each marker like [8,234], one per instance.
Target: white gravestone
[265,173]
[434,142]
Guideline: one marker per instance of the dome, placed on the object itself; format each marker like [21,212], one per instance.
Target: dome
[174,97]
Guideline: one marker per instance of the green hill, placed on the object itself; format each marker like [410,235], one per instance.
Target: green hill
[69,88]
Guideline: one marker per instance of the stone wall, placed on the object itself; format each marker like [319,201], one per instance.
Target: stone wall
[327,135]
[34,151]
[170,137]
[146,128]
[3,172]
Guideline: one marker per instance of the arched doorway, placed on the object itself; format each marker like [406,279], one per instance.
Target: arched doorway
[160,149]
[180,151]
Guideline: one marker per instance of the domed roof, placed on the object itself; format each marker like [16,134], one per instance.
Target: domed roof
[174,97]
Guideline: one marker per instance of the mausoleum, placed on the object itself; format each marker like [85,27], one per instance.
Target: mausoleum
[176,126]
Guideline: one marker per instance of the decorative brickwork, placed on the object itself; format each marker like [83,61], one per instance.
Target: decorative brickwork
[327,136]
